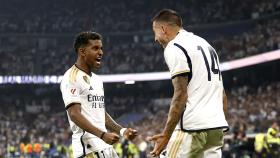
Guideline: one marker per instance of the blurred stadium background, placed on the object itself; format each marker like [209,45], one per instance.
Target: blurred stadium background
[36,48]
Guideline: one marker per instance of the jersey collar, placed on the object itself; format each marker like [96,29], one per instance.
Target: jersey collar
[82,70]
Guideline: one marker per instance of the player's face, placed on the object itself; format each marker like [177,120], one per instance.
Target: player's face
[93,53]
[160,34]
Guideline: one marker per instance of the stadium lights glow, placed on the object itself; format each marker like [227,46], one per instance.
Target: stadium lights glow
[150,76]
[129,82]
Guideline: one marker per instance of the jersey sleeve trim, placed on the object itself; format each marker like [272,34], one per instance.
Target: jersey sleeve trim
[186,73]
[180,72]
[188,59]
[70,104]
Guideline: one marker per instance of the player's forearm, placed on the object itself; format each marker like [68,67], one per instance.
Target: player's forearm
[178,104]
[111,124]
[175,112]
[84,124]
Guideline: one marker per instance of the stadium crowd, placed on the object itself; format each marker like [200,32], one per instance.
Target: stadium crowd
[60,17]
[126,57]
[41,40]
[264,37]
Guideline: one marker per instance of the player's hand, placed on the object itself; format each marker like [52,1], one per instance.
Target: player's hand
[130,133]
[110,138]
[160,141]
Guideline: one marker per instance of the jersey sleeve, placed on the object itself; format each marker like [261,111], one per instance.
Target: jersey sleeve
[70,92]
[176,61]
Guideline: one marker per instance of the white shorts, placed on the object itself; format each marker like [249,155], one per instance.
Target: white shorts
[204,144]
[106,153]
[84,146]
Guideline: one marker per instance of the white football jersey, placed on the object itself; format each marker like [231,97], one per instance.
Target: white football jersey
[191,55]
[78,87]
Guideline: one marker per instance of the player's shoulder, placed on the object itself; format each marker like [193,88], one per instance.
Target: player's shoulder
[184,39]
[189,41]
[72,75]
[196,40]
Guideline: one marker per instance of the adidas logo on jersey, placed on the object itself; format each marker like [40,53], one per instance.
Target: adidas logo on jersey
[90,88]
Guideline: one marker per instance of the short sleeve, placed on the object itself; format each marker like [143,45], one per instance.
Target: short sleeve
[70,92]
[176,60]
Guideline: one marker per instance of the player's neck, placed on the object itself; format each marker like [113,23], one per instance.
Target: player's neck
[173,33]
[83,66]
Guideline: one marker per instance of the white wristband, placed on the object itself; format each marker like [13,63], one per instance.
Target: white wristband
[122,131]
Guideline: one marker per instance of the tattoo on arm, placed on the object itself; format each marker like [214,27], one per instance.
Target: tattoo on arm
[111,124]
[178,104]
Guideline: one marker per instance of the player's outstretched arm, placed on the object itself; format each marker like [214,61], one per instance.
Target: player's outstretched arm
[176,109]
[112,125]
[76,116]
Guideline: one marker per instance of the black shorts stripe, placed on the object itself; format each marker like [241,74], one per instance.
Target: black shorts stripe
[103,153]
[97,154]
[188,59]
[83,144]
[206,129]
[181,121]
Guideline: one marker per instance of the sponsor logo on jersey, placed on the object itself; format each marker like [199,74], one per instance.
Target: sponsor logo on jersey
[92,98]
[90,88]
[97,101]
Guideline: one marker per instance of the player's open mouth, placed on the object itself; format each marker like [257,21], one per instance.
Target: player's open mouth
[98,60]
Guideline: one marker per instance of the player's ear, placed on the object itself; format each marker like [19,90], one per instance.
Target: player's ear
[164,29]
[82,51]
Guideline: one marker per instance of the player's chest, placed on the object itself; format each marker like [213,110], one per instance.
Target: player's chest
[92,86]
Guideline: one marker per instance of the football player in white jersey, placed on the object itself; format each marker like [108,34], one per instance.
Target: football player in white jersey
[83,95]
[196,119]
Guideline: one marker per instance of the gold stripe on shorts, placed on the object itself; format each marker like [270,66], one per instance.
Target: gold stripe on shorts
[91,155]
[175,143]
[179,144]
[172,146]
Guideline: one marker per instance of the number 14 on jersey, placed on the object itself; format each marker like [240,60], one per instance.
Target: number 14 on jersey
[214,62]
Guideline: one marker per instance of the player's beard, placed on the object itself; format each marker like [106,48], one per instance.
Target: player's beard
[163,43]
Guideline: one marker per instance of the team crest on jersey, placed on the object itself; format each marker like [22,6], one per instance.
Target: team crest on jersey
[86,79]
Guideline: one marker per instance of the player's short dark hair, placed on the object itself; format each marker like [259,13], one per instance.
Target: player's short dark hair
[169,16]
[84,37]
